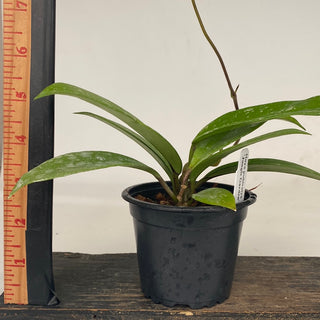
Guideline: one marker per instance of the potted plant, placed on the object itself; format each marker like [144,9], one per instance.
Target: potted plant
[187,228]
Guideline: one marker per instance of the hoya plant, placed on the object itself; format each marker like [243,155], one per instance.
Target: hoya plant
[217,140]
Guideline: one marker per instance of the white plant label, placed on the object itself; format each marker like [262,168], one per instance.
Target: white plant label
[241,175]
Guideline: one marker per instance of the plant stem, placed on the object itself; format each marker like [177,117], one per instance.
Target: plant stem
[233,92]
[167,188]
[183,187]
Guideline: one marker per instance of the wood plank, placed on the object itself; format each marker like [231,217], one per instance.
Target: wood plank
[107,287]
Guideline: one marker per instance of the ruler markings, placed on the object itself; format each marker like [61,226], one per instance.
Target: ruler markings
[13,122]
[15,55]
[12,32]
[15,9]
[12,246]
[16,74]
[15,78]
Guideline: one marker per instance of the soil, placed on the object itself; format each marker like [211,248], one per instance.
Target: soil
[164,199]
[160,198]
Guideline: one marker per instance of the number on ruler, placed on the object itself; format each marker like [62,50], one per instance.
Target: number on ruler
[20,222]
[22,50]
[20,261]
[21,95]
[21,138]
[20,4]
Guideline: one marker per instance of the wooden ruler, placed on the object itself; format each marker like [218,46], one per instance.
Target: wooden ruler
[16,90]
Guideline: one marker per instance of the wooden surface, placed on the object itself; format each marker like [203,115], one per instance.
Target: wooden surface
[107,287]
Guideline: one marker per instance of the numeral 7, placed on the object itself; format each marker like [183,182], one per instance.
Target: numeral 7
[20,4]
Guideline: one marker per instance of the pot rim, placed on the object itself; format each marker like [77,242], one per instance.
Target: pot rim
[129,195]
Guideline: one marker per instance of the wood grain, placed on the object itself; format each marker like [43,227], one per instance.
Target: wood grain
[107,287]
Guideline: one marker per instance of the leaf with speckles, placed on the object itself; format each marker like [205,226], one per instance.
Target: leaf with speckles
[264,164]
[283,110]
[208,147]
[164,148]
[210,159]
[76,162]
[145,144]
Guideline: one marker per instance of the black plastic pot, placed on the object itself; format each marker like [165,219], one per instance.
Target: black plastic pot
[186,255]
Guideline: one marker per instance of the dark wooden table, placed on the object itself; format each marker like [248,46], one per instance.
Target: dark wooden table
[107,287]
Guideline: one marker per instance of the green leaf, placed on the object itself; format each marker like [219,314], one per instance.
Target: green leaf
[282,110]
[207,147]
[216,197]
[219,140]
[76,162]
[208,161]
[264,164]
[157,140]
[294,121]
[138,139]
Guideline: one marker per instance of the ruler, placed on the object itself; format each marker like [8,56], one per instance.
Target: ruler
[28,127]
[16,88]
